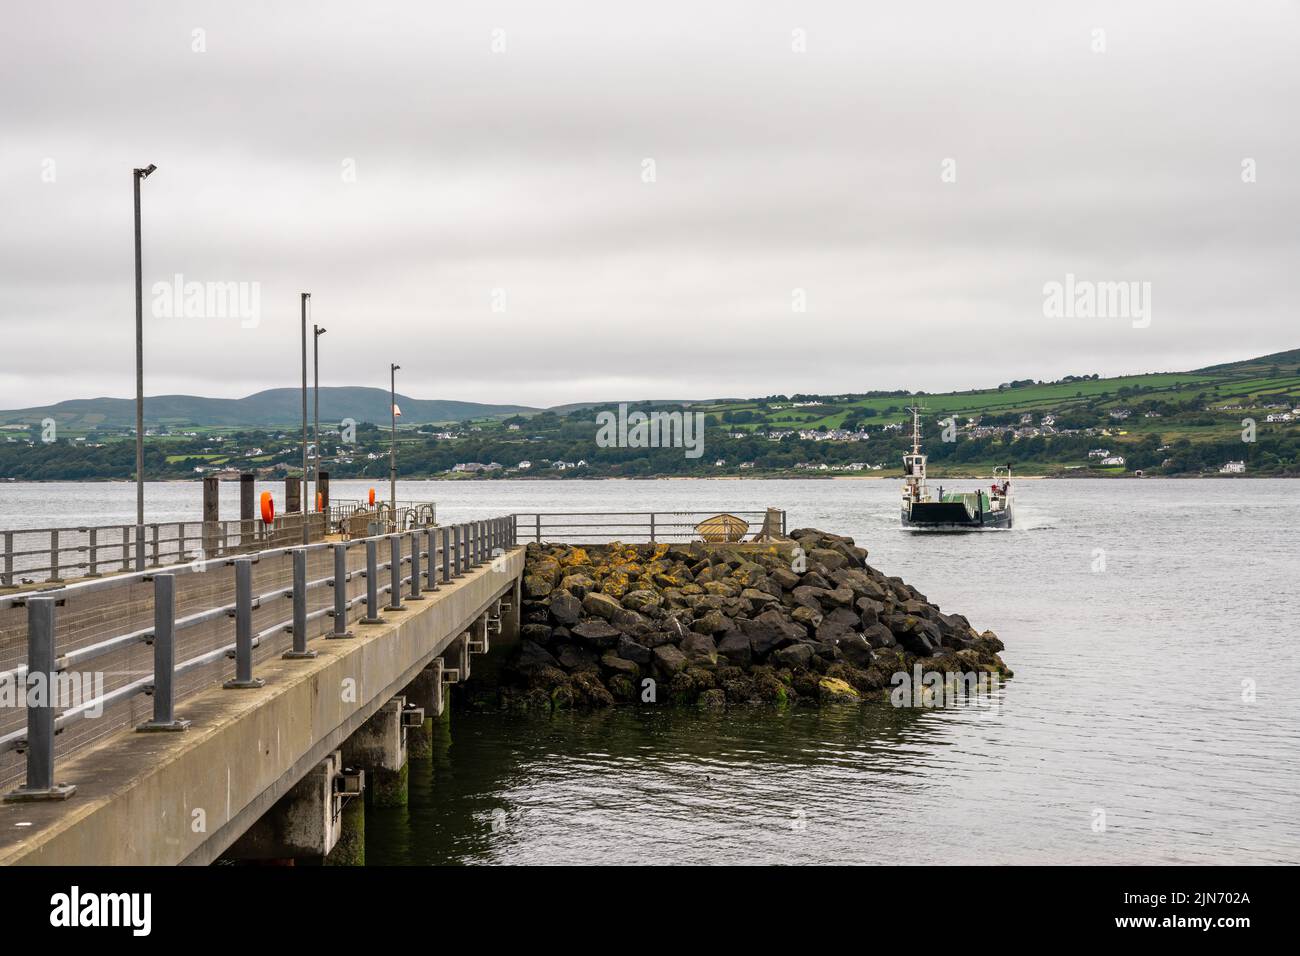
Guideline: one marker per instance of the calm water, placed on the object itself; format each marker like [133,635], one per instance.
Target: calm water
[1127,699]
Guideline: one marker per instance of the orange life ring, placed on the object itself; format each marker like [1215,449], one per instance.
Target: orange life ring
[372,497]
[268,507]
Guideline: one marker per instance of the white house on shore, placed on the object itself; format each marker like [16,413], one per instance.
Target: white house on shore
[1233,468]
[1113,460]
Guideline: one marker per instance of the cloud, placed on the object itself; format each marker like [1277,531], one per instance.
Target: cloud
[515,178]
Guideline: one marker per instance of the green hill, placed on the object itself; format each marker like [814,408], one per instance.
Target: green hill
[273,407]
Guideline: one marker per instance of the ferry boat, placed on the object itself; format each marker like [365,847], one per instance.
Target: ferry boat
[951,510]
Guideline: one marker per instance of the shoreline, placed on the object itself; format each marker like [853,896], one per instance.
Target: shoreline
[899,477]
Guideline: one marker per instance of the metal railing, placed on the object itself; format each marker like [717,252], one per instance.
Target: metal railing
[167,634]
[598,527]
[53,555]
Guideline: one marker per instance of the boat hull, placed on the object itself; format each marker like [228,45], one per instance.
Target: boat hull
[952,516]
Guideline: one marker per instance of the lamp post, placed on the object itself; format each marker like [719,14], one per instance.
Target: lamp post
[392,447]
[317,332]
[136,176]
[306,485]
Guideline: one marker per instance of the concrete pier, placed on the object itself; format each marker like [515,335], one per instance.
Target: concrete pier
[158,799]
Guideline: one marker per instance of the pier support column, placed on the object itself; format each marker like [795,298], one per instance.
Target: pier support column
[456,659]
[211,516]
[247,497]
[510,618]
[303,824]
[426,692]
[379,748]
[350,850]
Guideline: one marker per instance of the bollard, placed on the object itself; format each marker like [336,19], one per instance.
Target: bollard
[394,573]
[415,567]
[243,629]
[340,585]
[372,585]
[40,783]
[164,657]
[299,650]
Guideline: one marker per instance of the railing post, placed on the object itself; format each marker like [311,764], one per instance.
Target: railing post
[164,657]
[456,567]
[126,548]
[156,553]
[431,537]
[538,516]
[54,556]
[180,542]
[414,594]
[243,628]
[40,783]
[93,570]
[8,577]
[652,527]
[372,585]
[340,585]
[444,534]
[394,573]
[299,650]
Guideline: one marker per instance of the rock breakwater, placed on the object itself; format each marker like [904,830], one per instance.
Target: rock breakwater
[804,621]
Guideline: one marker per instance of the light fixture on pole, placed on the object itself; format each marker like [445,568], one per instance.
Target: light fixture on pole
[136,176]
[305,489]
[317,332]
[392,449]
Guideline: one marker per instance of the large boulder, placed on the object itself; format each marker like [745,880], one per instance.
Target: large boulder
[735,647]
[533,656]
[538,633]
[669,660]
[632,651]
[579,585]
[601,605]
[714,622]
[640,599]
[565,607]
[809,596]
[574,658]
[596,633]
[536,586]
[794,656]
[769,631]
[700,647]
[827,558]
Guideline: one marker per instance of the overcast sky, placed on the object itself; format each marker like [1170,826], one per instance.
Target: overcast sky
[417,178]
